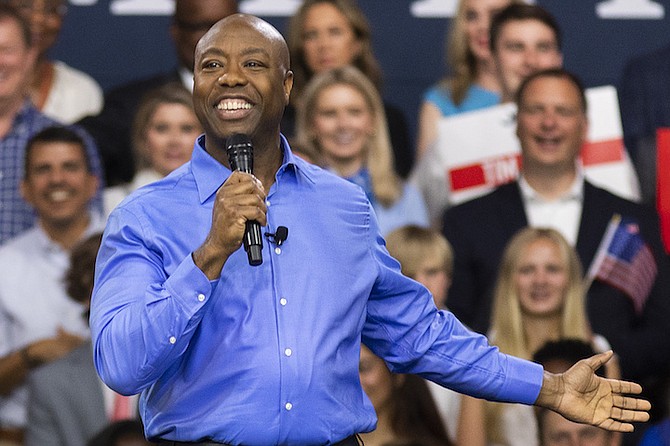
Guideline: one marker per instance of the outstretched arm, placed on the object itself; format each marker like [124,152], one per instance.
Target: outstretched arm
[582,396]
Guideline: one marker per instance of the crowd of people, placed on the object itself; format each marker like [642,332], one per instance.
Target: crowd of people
[383,270]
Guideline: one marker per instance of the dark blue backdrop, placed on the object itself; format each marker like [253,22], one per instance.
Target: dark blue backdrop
[114,45]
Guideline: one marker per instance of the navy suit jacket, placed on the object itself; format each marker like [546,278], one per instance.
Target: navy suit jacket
[479,231]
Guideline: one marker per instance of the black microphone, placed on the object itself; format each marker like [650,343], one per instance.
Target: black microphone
[241,157]
[279,236]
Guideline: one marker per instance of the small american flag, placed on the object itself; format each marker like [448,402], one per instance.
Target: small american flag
[625,261]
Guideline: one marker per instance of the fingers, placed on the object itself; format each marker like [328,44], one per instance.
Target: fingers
[616,426]
[629,402]
[596,361]
[624,387]
[631,416]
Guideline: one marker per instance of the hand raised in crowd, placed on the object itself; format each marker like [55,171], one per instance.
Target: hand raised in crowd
[51,349]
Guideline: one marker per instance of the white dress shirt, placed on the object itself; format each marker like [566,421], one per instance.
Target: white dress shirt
[563,213]
[34,303]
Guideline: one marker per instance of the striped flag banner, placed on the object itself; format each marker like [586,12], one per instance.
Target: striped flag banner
[625,261]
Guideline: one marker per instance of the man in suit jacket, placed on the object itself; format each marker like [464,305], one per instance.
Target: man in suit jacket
[551,126]
[112,127]
[66,406]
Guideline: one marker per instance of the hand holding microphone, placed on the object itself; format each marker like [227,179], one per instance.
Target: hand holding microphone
[239,201]
[240,153]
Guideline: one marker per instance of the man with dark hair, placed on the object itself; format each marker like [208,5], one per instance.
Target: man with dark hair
[524,39]
[20,120]
[552,192]
[39,322]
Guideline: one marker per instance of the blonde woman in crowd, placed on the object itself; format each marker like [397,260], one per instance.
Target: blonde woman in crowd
[342,121]
[164,130]
[539,297]
[473,83]
[425,256]
[327,34]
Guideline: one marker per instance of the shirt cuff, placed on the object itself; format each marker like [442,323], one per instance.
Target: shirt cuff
[189,286]
[523,383]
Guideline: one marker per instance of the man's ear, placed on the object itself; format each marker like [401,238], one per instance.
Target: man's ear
[288,86]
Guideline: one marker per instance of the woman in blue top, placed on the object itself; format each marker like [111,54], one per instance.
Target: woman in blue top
[474,83]
[342,125]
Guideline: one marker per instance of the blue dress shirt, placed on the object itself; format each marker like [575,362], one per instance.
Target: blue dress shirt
[269,355]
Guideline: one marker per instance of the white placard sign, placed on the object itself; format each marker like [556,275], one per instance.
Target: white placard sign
[479,150]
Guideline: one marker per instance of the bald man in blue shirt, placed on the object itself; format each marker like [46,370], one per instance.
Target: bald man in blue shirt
[228,353]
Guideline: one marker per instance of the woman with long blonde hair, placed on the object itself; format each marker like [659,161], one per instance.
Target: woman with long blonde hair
[342,124]
[327,34]
[539,297]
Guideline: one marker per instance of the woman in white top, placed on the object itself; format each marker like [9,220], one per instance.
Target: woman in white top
[59,91]
[164,130]
[539,297]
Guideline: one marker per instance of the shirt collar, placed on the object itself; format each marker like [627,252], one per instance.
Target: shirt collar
[210,174]
[96,224]
[575,192]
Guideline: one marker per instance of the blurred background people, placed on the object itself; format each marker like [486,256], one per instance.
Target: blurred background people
[553,192]
[405,409]
[326,34]
[426,256]
[341,119]
[38,322]
[523,39]
[539,297]
[473,82]
[111,128]
[20,120]
[66,405]
[163,133]
[58,90]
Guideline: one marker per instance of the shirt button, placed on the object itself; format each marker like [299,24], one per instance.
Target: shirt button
[277,250]
[201,297]
[267,202]
[282,301]
[173,339]
[288,406]
[288,352]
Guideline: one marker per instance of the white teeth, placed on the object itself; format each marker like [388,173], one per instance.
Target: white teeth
[59,195]
[233,104]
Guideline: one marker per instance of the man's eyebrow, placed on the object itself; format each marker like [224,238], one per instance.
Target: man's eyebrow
[255,50]
[245,52]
